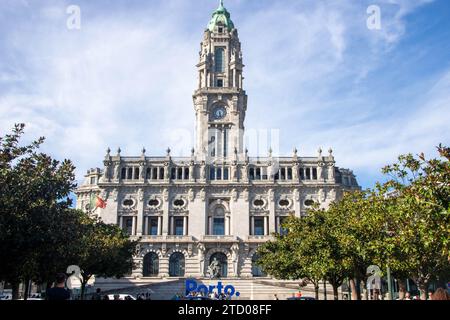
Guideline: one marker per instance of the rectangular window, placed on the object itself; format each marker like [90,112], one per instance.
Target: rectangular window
[173,173]
[314,170]
[219,55]
[179,226]
[308,173]
[219,226]
[186,173]
[92,180]
[127,225]
[220,83]
[225,174]
[212,173]
[259,226]
[161,173]
[281,230]
[264,173]
[153,226]
[302,174]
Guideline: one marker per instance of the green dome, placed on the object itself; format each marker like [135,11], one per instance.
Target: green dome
[221,15]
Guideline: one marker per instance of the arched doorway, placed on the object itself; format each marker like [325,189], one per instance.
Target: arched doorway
[256,269]
[151,265]
[176,265]
[223,261]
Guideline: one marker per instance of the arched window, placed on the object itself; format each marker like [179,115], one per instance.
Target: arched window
[151,265]
[223,262]
[176,265]
[218,221]
[256,269]
[219,56]
[258,173]
[180,174]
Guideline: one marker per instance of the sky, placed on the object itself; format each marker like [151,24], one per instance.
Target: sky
[314,71]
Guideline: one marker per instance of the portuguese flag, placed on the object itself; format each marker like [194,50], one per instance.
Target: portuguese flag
[97,202]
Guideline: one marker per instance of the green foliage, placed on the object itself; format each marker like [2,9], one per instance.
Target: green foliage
[40,235]
[402,223]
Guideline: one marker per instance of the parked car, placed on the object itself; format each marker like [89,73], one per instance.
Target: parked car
[302,298]
[121,297]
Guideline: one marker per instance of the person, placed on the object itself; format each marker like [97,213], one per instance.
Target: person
[58,292]
[407,296]
[116,297]
[441,295]
[275,297]
[430,295]
[97,295]
[106,297]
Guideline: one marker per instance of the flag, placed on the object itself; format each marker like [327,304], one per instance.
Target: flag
[97,202]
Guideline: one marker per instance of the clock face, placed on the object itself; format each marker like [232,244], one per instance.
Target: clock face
[219,113]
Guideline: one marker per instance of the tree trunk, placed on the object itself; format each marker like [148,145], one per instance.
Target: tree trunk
[335,291]
[358,289]
[423,287]
[353,289]
[401,289]
[316,290]
[15,290]
[27,289]
[324,289]
[83,287]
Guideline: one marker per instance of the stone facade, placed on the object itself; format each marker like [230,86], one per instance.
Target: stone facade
[219,202]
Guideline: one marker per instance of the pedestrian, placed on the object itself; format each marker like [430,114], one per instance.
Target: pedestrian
[430,295]
[58,292]
[441,295]
[116,297]
[106,297]
[275,297]
[407,296]
[97,295]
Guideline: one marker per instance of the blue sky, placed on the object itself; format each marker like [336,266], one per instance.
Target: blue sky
[313,70]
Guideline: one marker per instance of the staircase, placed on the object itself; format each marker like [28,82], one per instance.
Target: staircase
[249,289]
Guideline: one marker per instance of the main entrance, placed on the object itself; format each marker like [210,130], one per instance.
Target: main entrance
[223,261]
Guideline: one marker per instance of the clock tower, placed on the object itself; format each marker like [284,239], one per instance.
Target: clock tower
[220,102]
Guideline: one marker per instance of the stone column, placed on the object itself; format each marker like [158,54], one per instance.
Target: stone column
[271,218]
[165,220]
[133,226]
[227,226]
[146,231]
[160,226]
[210,225]
[252,226]
[266,227]
[185,224]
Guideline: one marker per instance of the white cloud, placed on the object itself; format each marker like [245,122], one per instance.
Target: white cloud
[126,78]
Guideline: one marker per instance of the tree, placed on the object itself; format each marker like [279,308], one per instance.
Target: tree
[103,250]
[34,190]
[420,217]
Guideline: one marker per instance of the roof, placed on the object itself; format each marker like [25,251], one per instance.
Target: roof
[222,16]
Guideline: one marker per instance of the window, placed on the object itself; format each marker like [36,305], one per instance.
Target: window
[256,269]
[314,170]
[284,203]
[180,174]
[128,203]
[219,55]
[252,174]
[153,203]
[130,174]
[308,173]
[309,203]
[212,173]
[153,227]
[173,173]
[128,225]
[178,203]
[220,29]
[259,226]
[302,174]
[148,174]
[289,174]
[151,265]
[186,174]
[161,173]
[219,174]
[258,173]
[92,180]
[154,173]
[282,231]
[220,83]
[136,173]
[225,174]
[123,176]
[179,226]
[176,265]
[258,203]
[218,226]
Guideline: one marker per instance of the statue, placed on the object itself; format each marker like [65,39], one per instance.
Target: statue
[214,269]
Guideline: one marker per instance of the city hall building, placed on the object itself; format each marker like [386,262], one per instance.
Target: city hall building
[219,202]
